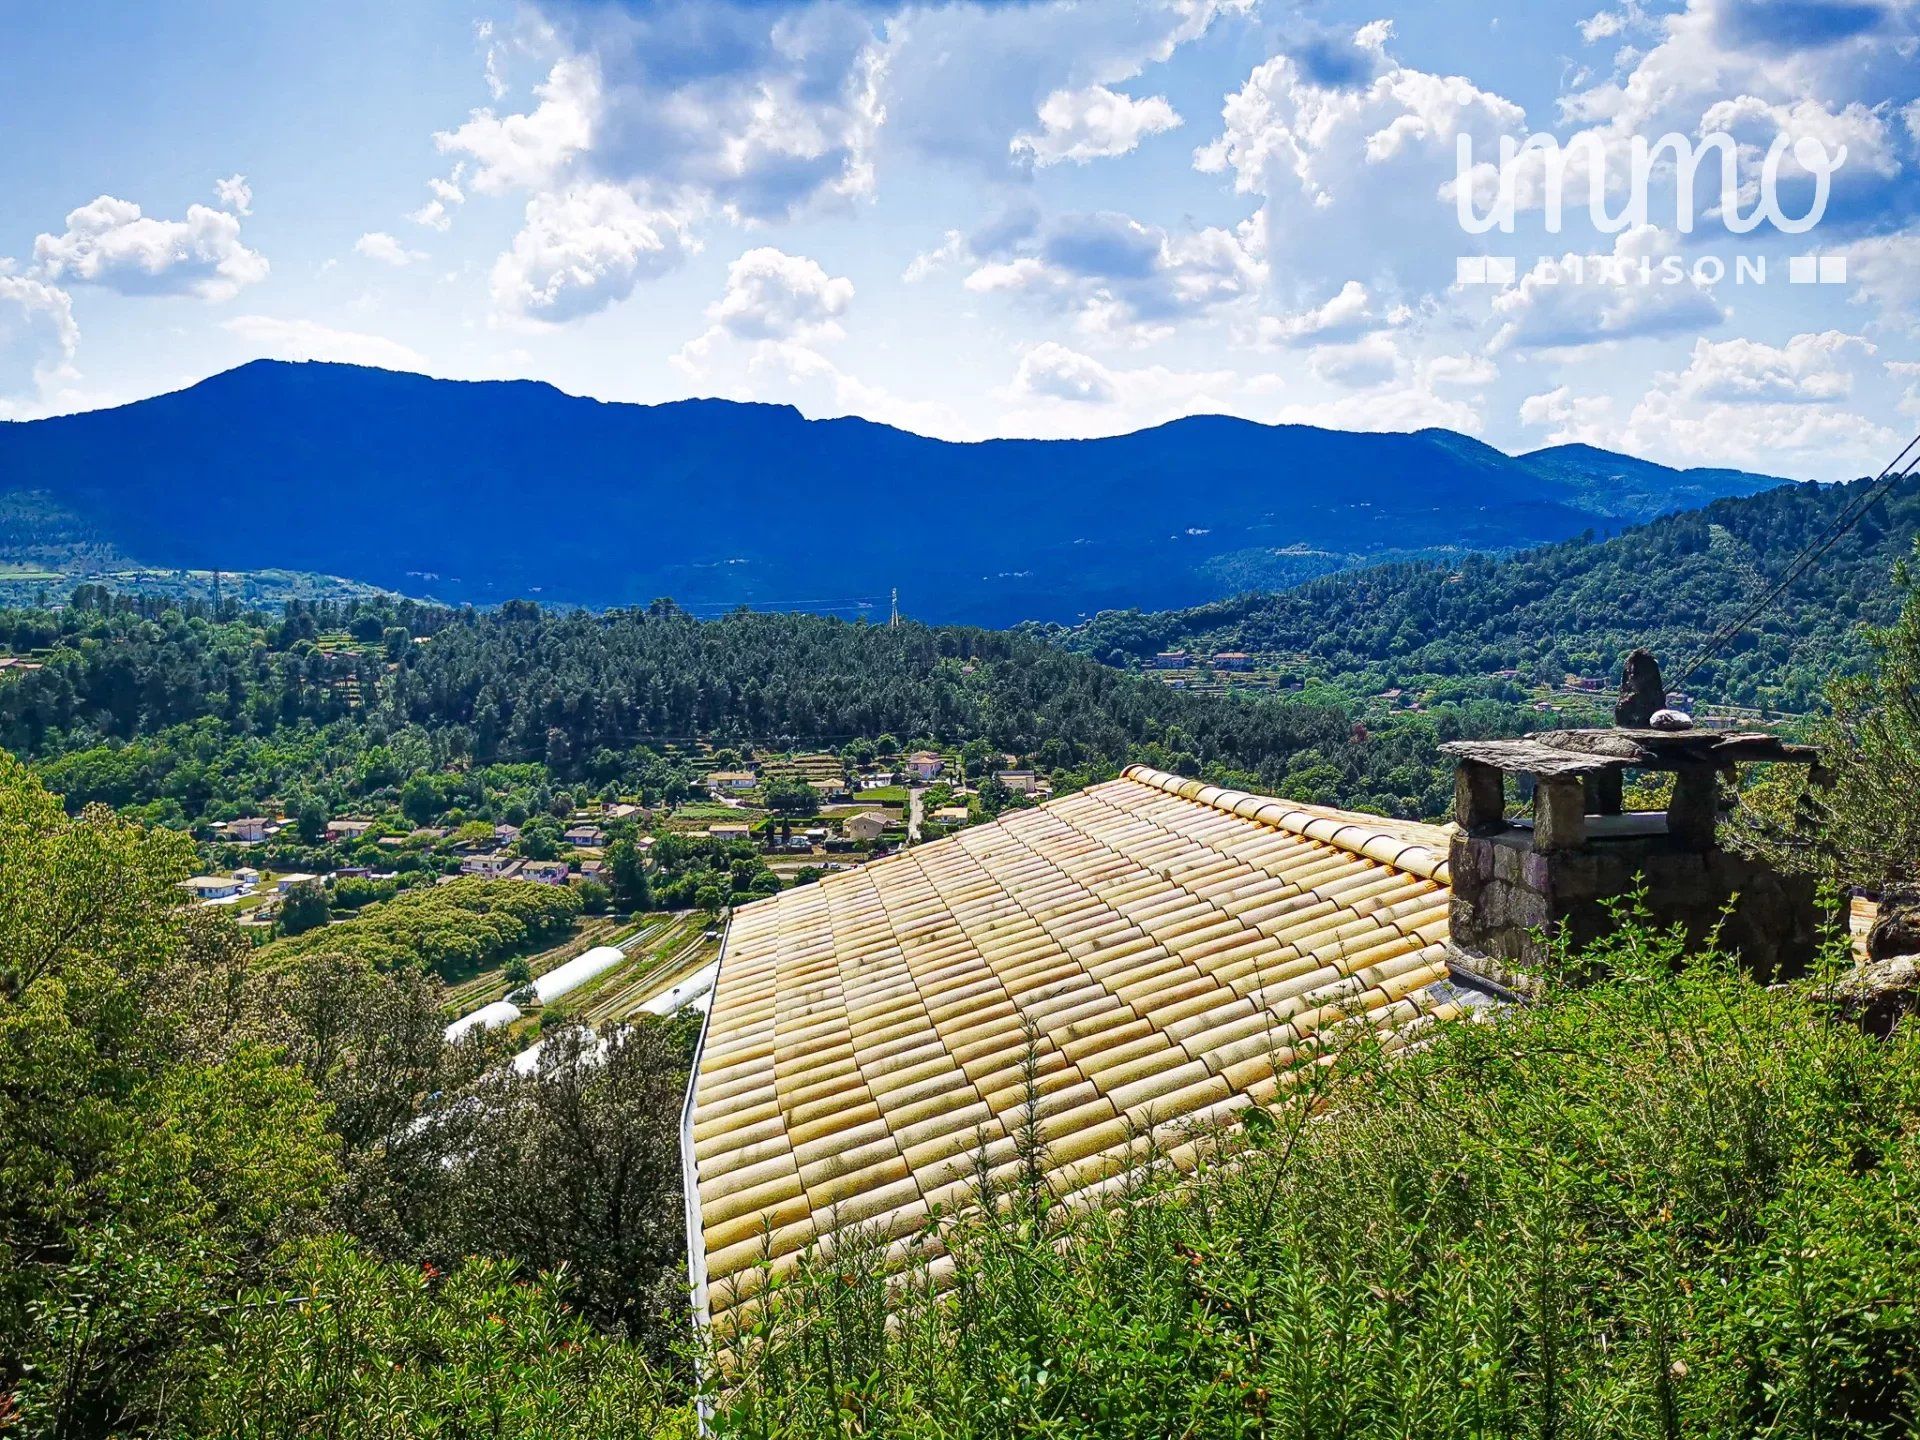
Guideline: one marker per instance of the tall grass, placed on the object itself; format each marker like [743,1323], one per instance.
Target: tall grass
[1671,1202]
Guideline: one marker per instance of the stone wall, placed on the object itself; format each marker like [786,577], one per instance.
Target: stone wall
[1507,896]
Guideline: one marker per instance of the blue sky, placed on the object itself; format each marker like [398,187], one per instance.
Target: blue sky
[1053,218]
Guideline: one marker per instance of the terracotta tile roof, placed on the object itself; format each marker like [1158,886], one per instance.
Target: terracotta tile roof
[1168,946]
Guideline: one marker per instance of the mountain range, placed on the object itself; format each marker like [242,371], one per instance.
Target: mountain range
[482,491]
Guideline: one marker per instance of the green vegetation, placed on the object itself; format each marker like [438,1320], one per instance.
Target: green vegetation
[182,714]
[237,1202]
[1671,1203]
[1573,608]
[1856,821]
[452,930]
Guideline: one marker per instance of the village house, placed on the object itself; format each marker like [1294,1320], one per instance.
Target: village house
[1172,660]
[1021,782]
[288,883]
[1233,660]
[731,782]
[951,814]
[347,829]
[492,865]
[834,788]
[506,834]
[250,830]
[594,870]
[584,835]
[620,811]
[545,872]
[867,825]
[730,830]
[212,887]
[247,876]
[925,765]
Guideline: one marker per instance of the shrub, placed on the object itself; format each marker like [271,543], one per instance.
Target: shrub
[1674,1202]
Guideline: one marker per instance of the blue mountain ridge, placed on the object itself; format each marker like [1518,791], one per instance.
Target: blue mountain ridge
[484,490]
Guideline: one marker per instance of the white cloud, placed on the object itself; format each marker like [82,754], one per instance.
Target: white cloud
[1810,367]
[1768,408]
[772,295]
[531,150]
[235,194]
[1907,370]
[1602,26]
[437,213]
[378,245]
[776,302]
[1051,369]
[309,340]
[1120,278]
[1347,316]
[1372,361]
[1057,392]
[1885,272]
[1092,124]
[582,250]
[110,243]
[1570,419]
[38,341]
[1642,287]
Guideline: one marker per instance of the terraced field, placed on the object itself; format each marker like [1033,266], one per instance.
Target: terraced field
[589,931]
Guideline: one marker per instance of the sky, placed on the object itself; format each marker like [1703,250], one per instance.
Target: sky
[982,218]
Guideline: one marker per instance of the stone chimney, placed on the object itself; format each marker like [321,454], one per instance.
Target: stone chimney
[1518,885]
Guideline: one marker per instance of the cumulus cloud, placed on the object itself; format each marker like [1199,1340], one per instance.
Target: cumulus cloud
[1120,277]
[1372,361]
[1739,402]
[235,194]
[531,150]
[1349,148]
[109,242]
[1057,391]
[446,195]
[775,305]
[380,246]
[1347,316]
[1885,272]
[38,341]
[1639,288]
[772,295]
[583,249]
[1092,124]
[1907,370]
[1051,369]
[309,340]
[1812,367]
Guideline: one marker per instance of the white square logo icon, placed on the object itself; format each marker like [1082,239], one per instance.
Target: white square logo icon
[1803,270]
[1470,270]
[1833,269]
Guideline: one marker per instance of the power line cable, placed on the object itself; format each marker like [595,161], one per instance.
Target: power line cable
[1899,468]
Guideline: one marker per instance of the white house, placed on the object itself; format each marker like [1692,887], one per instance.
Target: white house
[925,765]
[212,887]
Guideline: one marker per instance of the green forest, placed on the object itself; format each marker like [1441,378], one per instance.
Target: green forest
[184,714]
[1577,607]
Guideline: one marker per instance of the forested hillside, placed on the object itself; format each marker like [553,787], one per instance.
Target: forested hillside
[203,715]
[1577,607]
[485,491]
